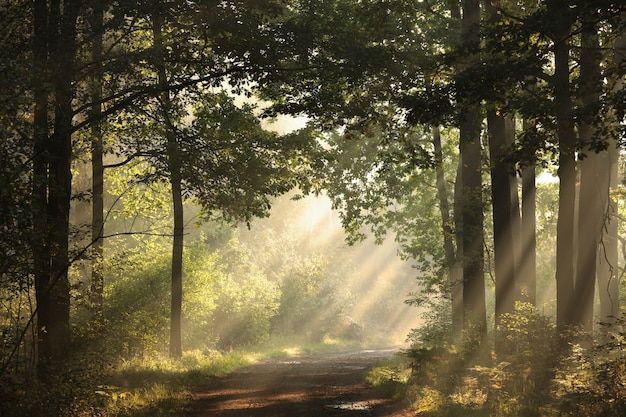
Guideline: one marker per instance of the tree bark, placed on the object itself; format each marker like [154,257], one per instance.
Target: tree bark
[173,159]
[528,255]
[594,170]
[52,162]
[503,215]
[97,170]
[607,259]
[448,234]
[514,209]
[457,269]
[60,180]
[41,255]
[474,314]
[608,271]
[504,196]
[567,166]
[456,272]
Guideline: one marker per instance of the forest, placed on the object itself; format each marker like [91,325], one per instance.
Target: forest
[312,208]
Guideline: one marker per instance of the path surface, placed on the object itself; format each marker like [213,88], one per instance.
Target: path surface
[306,386]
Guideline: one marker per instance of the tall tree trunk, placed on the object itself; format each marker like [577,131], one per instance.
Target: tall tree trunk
[607,258]
[474,314]
[608,271]
[504,196]
[503,216]
[41,254]
[448,233]
[456,272]
[594,172]
[63,21]
[174,163]
[528,254]
[514,208]
[177,262]
[567,166]
[457,269]
[97,170]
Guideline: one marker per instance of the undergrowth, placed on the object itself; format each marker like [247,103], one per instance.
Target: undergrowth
[535,372]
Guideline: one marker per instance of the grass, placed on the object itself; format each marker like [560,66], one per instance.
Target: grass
[160,386]
[391,375]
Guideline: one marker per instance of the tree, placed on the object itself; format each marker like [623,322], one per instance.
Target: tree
[594,177]
[565,258]
[174,168]
[452,237]
[97,154]
[504,195]
[505,215]
[607,273]
[474,314]
[528,252]
[55,43]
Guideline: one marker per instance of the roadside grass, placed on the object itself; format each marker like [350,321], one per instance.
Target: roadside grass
[391,375]
[160,386]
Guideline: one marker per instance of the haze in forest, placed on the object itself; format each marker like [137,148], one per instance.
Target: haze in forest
[312,207]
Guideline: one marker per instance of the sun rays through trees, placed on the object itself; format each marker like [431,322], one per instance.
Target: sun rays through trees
[187,187]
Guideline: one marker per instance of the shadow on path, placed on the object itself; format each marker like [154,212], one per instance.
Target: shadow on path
[305,386]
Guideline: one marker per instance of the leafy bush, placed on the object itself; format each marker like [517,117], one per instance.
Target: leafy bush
[592,382]
[217,285]
[534,372]
[314,302]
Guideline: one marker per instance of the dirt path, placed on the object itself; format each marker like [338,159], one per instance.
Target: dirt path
[305,386]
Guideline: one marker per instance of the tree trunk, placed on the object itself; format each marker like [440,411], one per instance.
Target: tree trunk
[607,258]
[514,209]
[608,271]
[528,235]
[456,272]
[505,198]
[97,170]
[62,23]
[448,233]
[594,170]
[474,314]
[566,170]
[457,269]
[174,162]
[41,254]
[503,216]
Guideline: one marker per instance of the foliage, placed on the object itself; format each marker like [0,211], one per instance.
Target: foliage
[537,373]
[391,375]
[592,381]
[311,300]
[247,301]
[216,284]
[381,179]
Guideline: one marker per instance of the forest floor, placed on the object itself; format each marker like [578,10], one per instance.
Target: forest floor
[316,385]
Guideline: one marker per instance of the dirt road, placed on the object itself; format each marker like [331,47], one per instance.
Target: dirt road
[306,386]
